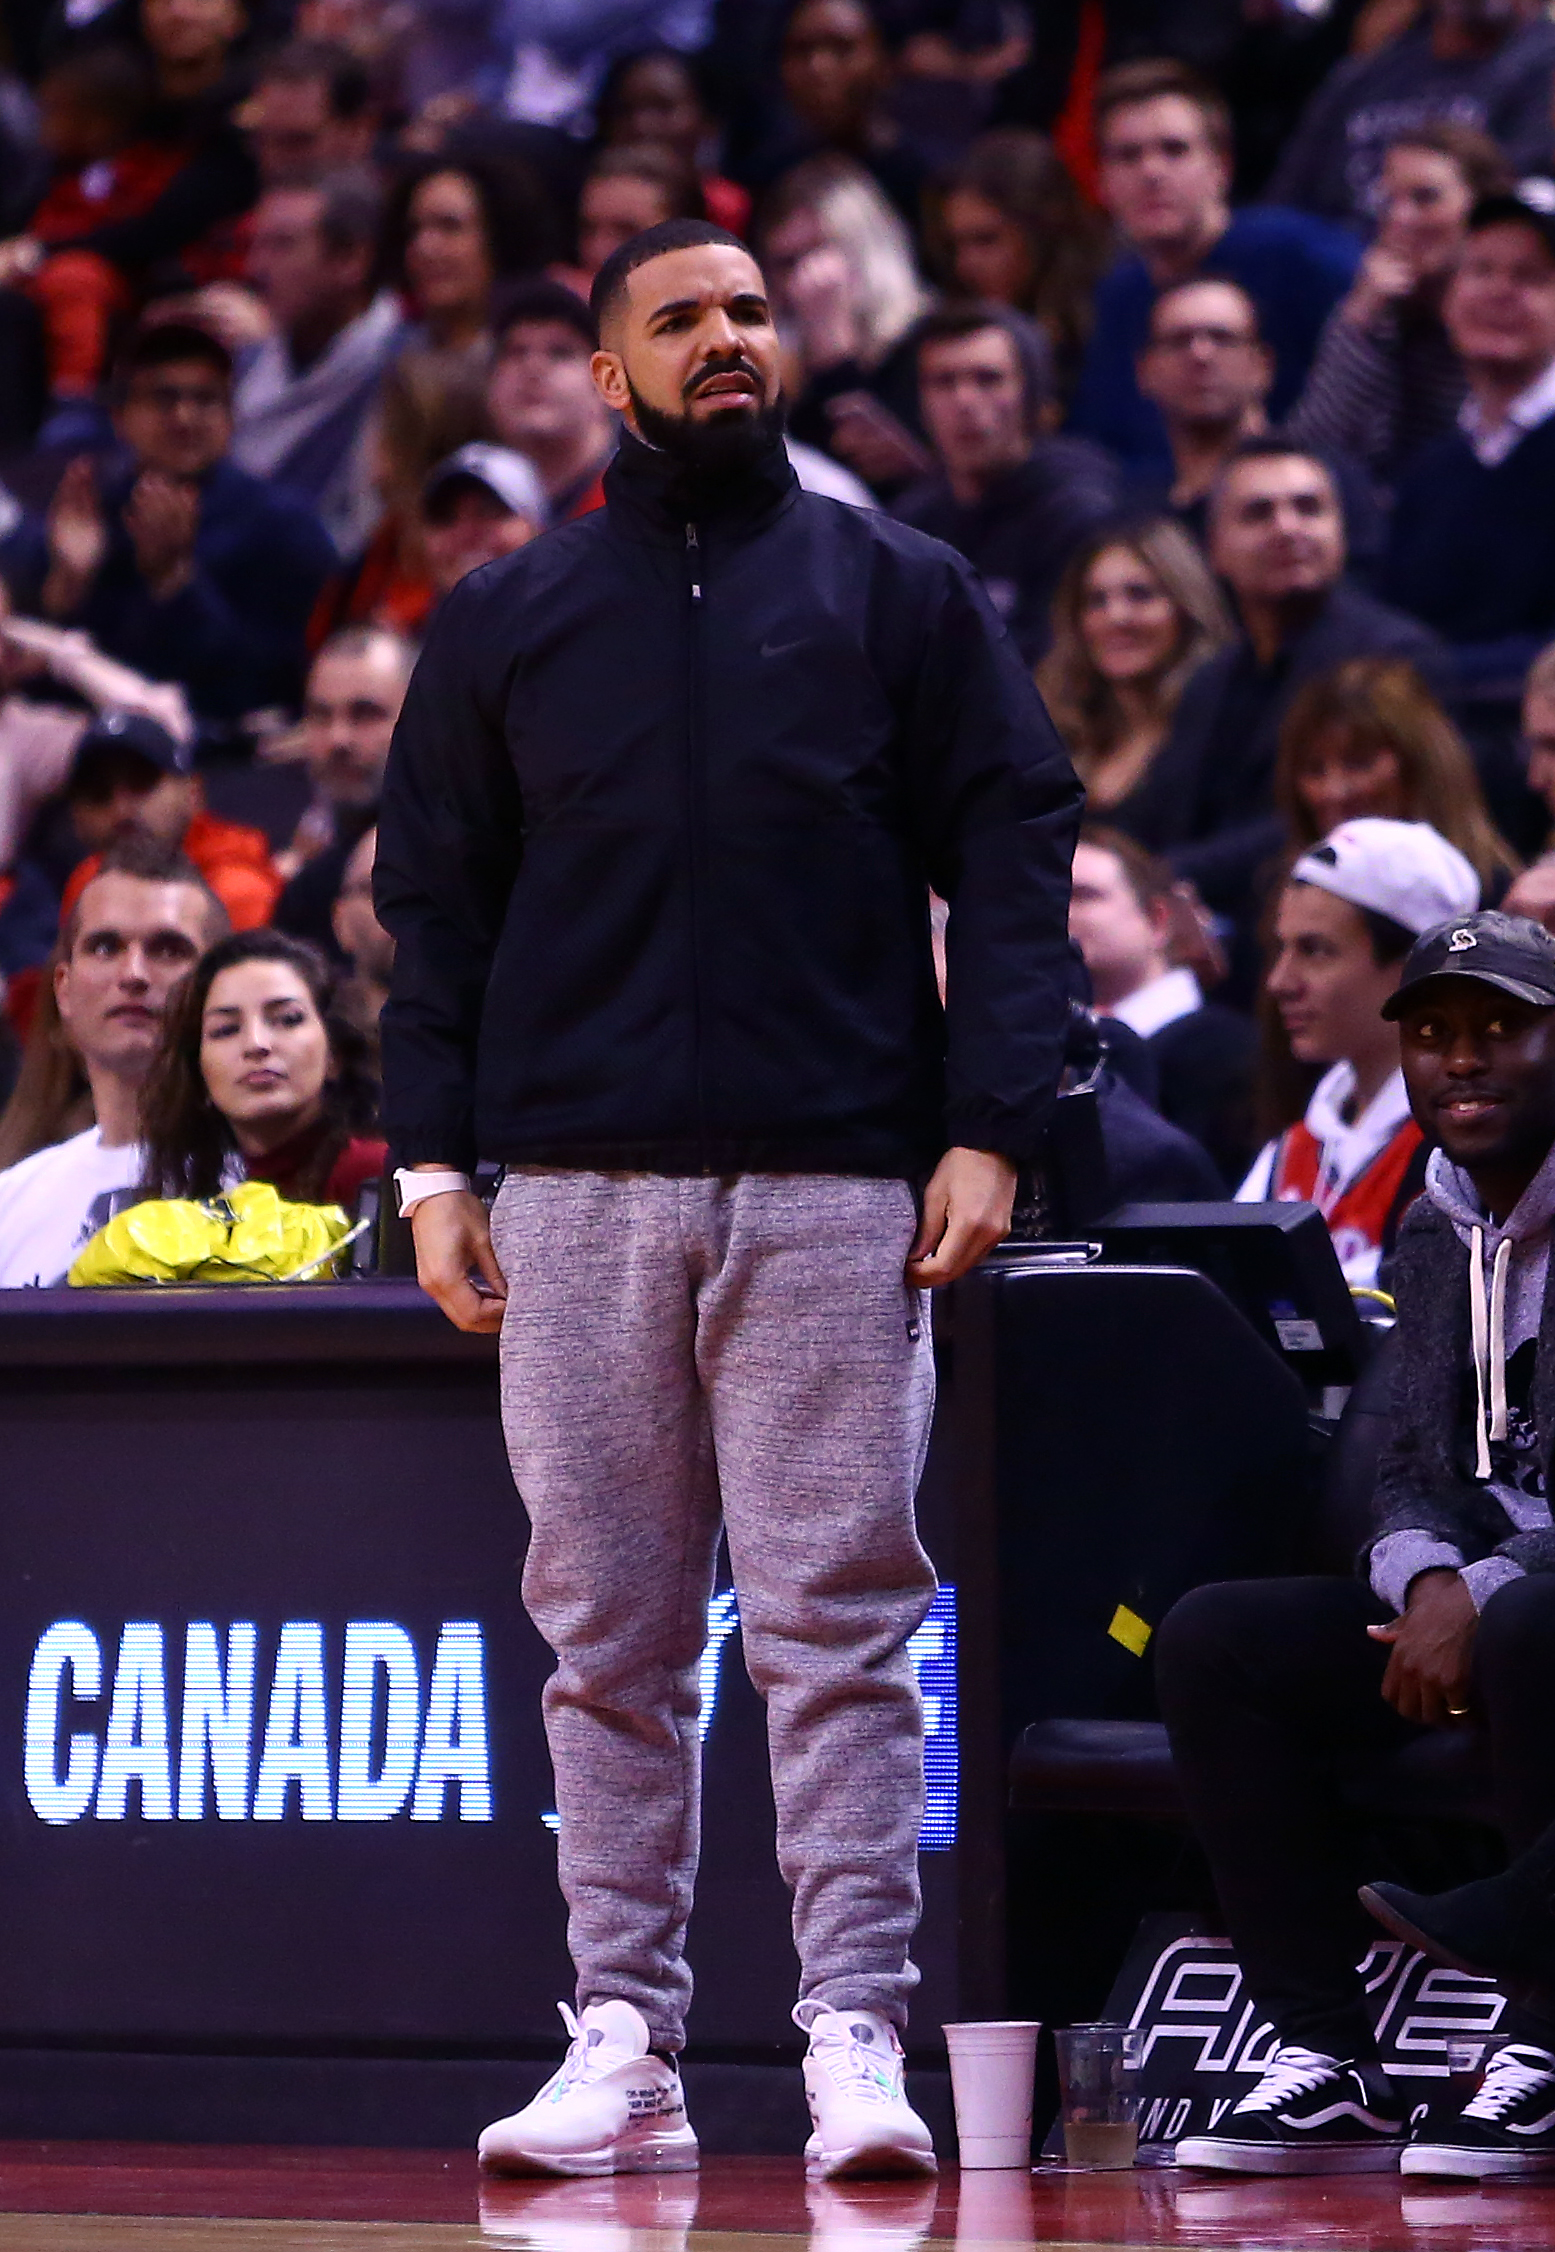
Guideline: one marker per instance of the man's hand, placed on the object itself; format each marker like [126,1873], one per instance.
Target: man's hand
[1428,1674]
[453,1235]
[77,537]
[966,1211]
[162,518]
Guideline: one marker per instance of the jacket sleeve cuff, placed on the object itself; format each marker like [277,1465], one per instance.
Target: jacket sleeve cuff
[1482,1579]
[1400,1558]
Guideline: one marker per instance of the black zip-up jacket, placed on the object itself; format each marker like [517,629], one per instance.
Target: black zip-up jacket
[662,811]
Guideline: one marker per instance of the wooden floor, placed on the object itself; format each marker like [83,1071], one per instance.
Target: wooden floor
[106,2197]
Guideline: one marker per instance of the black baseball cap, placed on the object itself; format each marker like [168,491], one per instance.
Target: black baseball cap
[140,735]
[1507,951]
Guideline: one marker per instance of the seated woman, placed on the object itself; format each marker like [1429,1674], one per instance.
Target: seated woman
[261,1077]
[1009,226]
[1349,911]
[1136,614]
[1369,739]
[1386,380]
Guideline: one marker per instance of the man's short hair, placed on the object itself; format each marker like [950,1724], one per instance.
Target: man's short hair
[360,641]
[951,324]
[162,344]
[149,862]
[654,242]
[542,299]
[321,62]
[1149,879]
[1126,85]
[1271,447]
[1205,281]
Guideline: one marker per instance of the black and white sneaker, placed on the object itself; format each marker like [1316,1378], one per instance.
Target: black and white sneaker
[1309,2114]
[1506,2131]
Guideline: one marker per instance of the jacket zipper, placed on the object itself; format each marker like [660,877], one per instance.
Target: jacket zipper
[694,823]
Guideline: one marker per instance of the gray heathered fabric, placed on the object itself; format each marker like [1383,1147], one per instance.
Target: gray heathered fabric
[678,1353]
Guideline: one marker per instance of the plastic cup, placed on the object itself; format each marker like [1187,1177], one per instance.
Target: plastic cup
[993,2066]
[1098,2075]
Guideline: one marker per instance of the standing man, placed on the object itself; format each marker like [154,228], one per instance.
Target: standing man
[662,815]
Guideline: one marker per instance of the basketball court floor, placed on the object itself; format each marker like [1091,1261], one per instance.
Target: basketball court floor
[104,2197]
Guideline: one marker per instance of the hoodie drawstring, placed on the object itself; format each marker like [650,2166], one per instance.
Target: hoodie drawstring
[1487,1326]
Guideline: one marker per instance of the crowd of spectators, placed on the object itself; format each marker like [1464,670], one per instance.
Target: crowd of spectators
[1220,341]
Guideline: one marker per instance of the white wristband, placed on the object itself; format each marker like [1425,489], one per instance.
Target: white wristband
[415,1188]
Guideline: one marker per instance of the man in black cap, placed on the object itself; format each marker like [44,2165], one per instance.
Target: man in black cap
[1269,1688]
[131,778]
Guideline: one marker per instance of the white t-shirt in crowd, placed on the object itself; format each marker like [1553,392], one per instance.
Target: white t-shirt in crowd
[55,1201]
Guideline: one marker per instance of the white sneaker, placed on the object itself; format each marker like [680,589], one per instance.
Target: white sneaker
[611,2109]
[854,2083]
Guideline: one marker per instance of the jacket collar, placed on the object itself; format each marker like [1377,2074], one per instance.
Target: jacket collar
[656,497]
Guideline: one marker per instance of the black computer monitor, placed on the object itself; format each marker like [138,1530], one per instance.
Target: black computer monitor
[1275,1262]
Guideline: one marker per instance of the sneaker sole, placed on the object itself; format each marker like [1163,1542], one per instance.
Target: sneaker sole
[1214,2156]
[1446,2162]
[869,2162]
[676,2153]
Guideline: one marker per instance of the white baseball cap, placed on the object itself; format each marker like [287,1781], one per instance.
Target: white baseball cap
[1401,869]
[511,477]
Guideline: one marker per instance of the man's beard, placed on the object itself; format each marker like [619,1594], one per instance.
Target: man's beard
[727,442]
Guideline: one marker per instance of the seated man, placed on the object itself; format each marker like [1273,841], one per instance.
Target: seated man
[1472,550]
[541,395]
[140,925]
[1120,917]
[1270,1688]
[1165,154]
[1277,539]
[182,564]
[355,689]
[1013,499]
[131,778]
[480,504]
[1346,916]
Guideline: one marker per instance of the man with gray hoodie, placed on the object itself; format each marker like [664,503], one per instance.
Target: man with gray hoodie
[1269,1687]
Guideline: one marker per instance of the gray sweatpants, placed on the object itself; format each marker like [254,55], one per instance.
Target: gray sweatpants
[676,1355]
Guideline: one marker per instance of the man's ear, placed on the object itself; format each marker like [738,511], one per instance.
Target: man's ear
[609,372]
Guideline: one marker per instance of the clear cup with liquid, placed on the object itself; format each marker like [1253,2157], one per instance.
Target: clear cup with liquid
[1098,2076]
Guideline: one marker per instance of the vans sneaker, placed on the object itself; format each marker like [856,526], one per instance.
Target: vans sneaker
[1506,2130]
[611,2109]
[855,2085]
[1309,2114]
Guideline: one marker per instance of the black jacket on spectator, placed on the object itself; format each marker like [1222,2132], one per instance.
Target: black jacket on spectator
[1473,553]
[236,634]
[662,809]
[1211,806]
[1150,1161]
[1023,531]
[1204,1064]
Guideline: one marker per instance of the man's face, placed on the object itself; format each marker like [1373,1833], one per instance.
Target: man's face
[1325,978]
[357,928]
[177,418]
[833,65]
[1120,940]
[348,718]
[117,794]
[291,131]
[1480,1069]
[1539,743]
[1162,179]
[1276,530]
[973,402]
[134,941]
[188,32]
[1203,365]
[541,390]
[297,275]
[691,352]
[472,527]
[1500,303]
